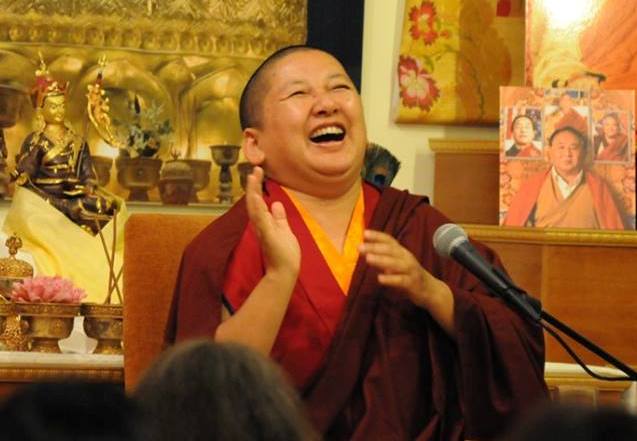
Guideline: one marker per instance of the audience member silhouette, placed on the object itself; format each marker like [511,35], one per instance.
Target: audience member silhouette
[69,411]
[202,390]
[560,422]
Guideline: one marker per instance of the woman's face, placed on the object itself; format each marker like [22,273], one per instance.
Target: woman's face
[610,127]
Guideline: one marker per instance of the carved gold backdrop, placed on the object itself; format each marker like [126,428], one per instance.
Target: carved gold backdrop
[183,61]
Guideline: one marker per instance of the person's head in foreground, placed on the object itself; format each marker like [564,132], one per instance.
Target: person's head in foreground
[570,422]
[302,120]
[70,411]
[204,390]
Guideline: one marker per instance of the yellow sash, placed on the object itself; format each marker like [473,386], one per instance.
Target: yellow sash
[341,264]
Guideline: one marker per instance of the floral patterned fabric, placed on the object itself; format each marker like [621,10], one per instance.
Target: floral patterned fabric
[454,55]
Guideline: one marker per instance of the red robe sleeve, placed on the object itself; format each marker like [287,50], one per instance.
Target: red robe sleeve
[198,298]
[499,368]
[606,209]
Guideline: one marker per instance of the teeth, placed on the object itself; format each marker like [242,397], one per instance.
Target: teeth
[329,130]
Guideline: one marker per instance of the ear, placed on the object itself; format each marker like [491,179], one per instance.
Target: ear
[250,146]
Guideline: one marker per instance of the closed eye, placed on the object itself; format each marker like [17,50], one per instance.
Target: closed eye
[296,93]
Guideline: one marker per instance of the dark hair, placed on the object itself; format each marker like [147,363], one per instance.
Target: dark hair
[205,390]
[70,411]
[522,116]
[583,142]
[558,422]
[256,87]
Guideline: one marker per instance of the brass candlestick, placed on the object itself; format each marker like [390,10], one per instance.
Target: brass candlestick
[225,156]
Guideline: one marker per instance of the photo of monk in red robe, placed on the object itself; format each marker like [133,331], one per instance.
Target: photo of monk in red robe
[523,144]
[567,194]
[338,282]
[610,142]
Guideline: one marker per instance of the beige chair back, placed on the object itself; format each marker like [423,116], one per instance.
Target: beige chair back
[153,245]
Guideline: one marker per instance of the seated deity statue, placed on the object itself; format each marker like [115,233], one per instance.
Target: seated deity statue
[57,207]
[55,163]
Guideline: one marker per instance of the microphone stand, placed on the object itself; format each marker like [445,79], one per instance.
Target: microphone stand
[531,309]
[631,373]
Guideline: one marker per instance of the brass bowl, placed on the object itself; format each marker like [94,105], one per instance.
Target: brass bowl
[225,154]
[47,323]
[104,323]
[139,175]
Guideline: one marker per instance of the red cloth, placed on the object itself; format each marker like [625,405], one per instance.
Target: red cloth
[390,372]
[526,197]
[616,150]
[529,151]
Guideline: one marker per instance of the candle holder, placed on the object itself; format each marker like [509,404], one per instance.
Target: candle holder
[225,156]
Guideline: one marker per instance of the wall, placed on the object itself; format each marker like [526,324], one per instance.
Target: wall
[409,142]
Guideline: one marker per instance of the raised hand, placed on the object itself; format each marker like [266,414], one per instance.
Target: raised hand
[280,247]
[400,269]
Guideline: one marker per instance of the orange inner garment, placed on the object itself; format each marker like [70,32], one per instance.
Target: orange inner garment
[341,264]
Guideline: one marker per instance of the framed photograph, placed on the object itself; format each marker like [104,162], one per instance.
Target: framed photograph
[567,158]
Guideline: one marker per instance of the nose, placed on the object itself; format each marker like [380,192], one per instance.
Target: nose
[325,105]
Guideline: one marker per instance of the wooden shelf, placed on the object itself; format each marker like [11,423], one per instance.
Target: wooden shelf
[553,236]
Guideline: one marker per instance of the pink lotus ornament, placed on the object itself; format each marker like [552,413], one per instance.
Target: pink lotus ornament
[47,289]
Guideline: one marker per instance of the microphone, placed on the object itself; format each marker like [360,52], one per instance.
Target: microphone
[451,241]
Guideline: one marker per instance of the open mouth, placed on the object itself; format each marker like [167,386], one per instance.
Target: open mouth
[328,134]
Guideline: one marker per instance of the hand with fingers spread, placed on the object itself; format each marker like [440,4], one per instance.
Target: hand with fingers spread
[279,244]
[256,323]
[400,269]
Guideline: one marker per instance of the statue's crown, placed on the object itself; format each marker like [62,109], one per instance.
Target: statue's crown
[45,85]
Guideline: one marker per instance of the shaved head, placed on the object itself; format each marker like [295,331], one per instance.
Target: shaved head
[257,86]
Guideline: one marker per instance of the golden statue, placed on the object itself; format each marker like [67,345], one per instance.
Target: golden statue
[55,163]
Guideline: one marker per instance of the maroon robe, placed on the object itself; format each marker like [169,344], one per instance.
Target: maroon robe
[389,371]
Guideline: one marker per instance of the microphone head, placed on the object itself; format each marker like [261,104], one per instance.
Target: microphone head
[447,238]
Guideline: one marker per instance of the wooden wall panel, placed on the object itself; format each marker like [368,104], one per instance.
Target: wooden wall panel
[586,280]
[594,291]
[467,197]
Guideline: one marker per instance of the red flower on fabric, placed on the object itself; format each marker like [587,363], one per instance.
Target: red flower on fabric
[423,18]
[417,86]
